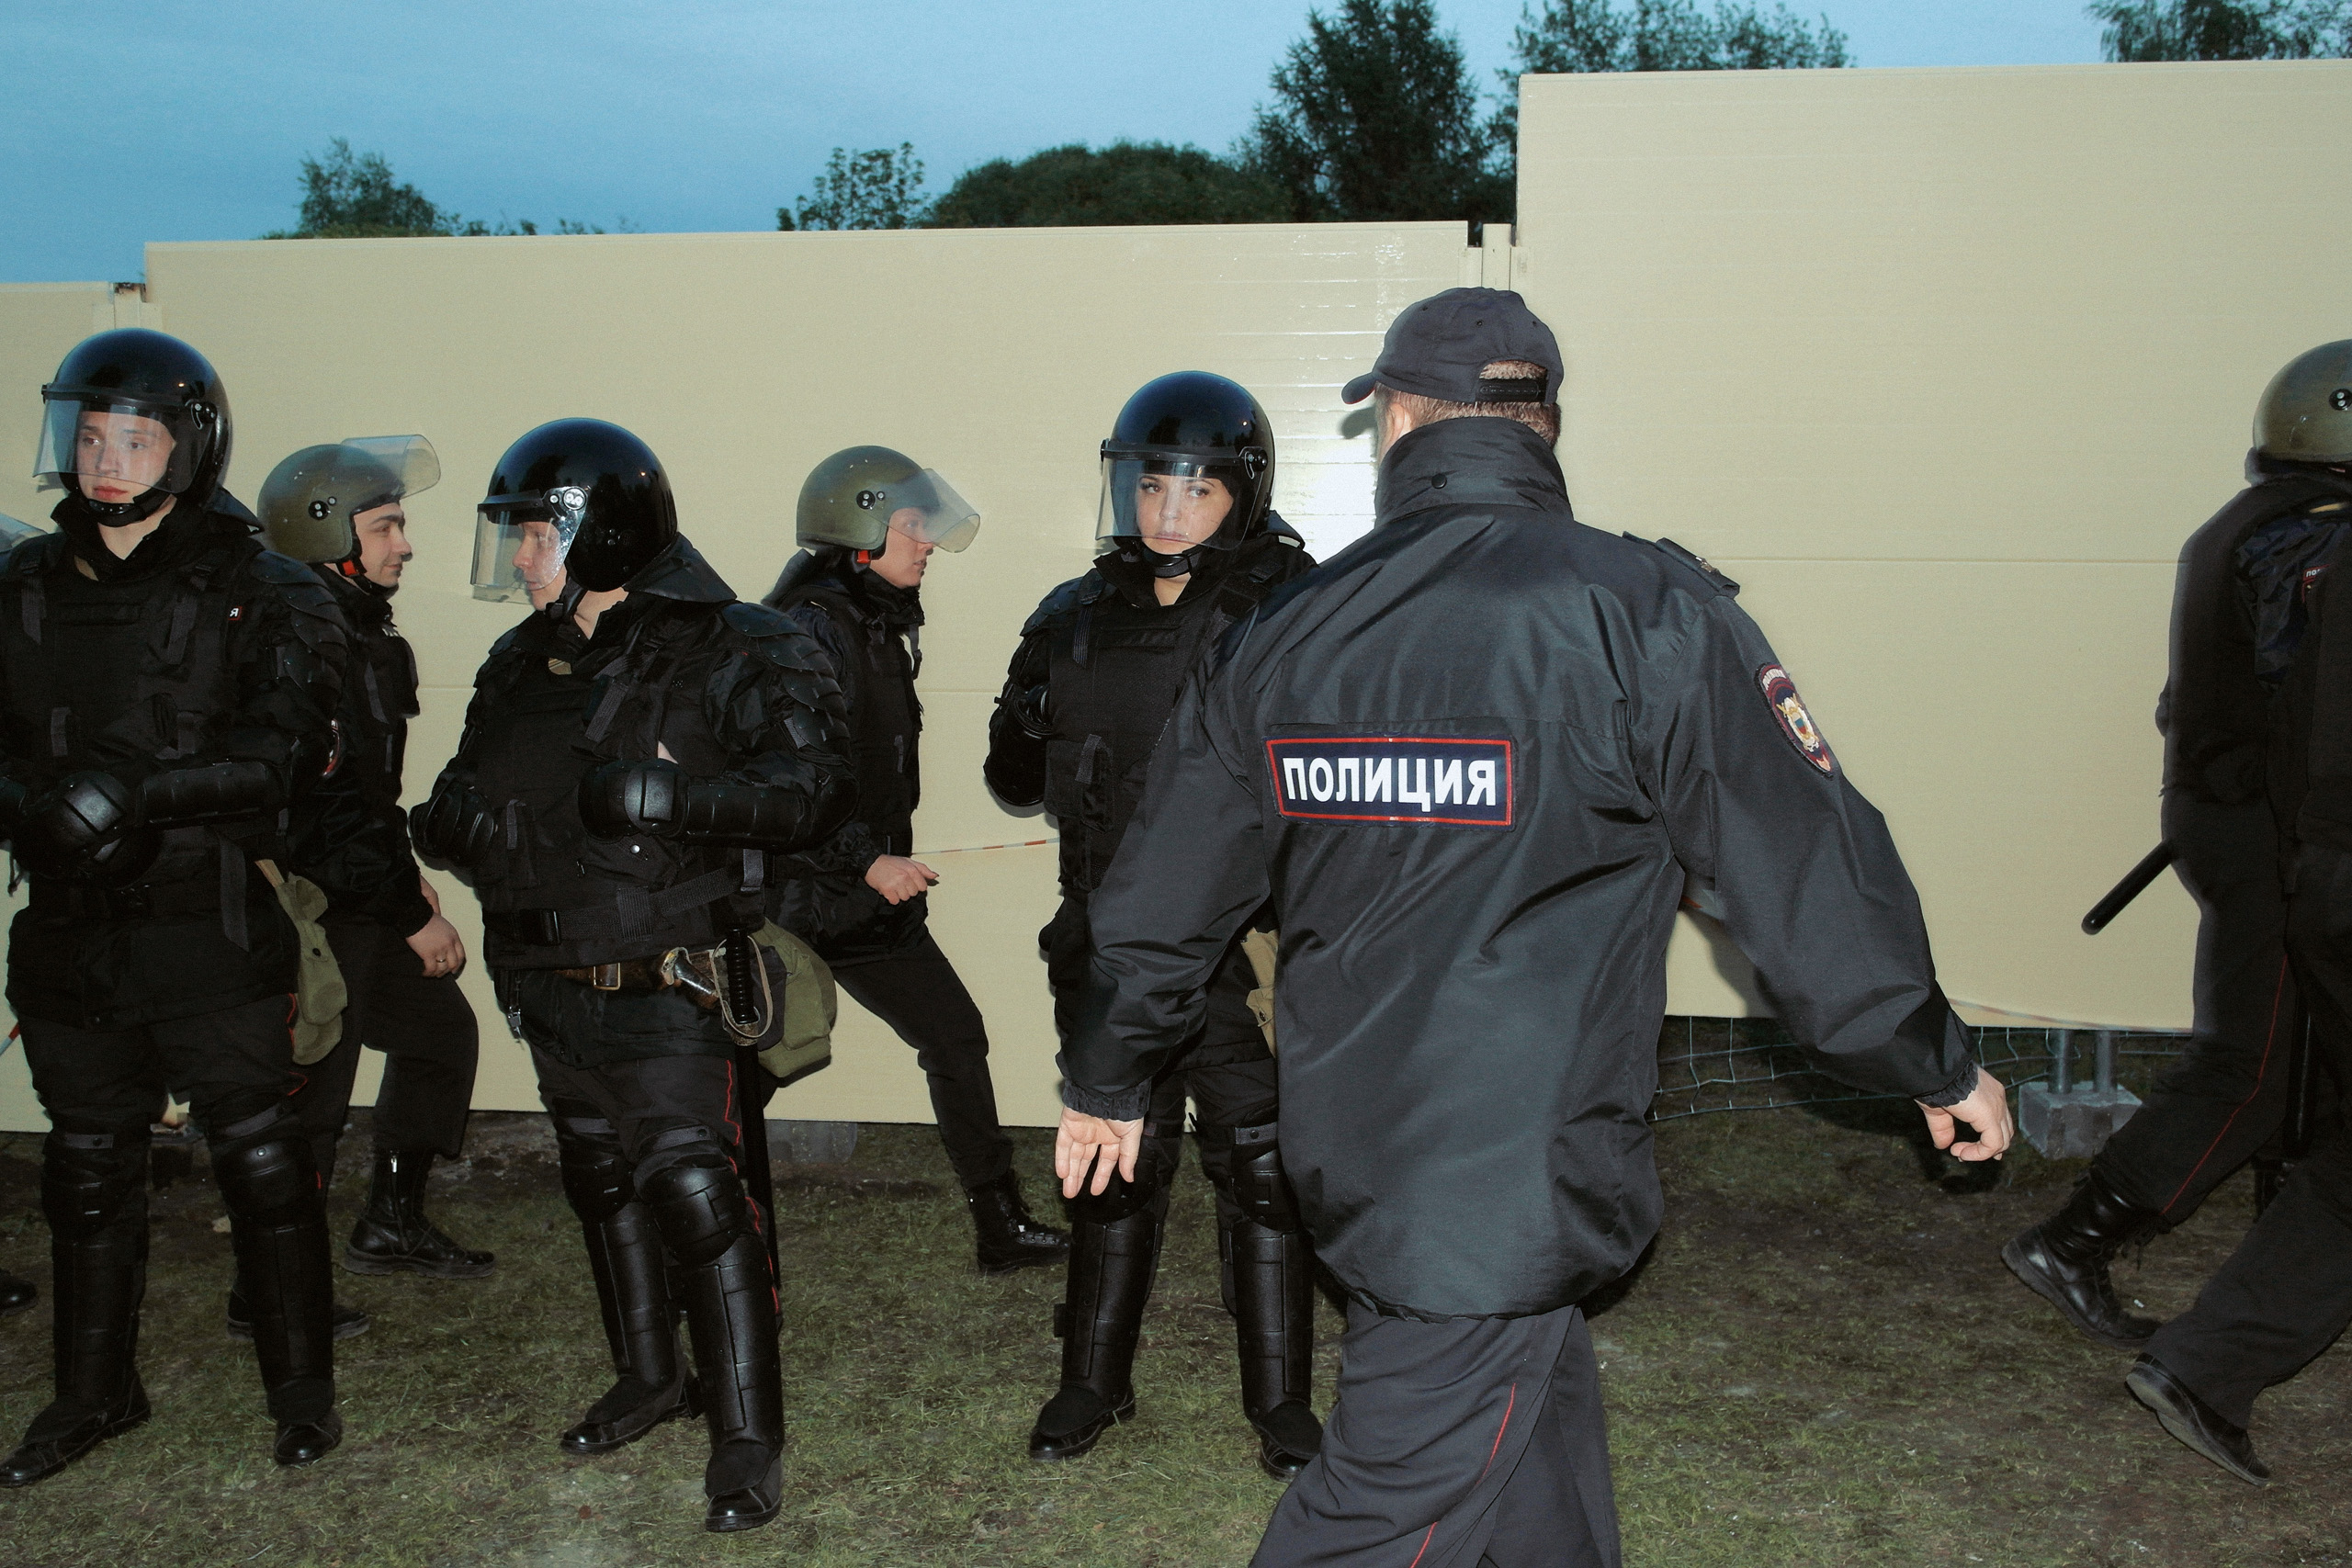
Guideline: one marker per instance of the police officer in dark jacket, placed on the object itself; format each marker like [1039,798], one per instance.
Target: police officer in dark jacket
[633,753]
[170,690]
[1473,762]
[16,1294]
[868,521]
[1191,544]
[340,508]
[2257,806]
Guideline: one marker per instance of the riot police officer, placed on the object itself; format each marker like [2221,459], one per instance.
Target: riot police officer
[1474,761]
[17,1292]
[340,508]
[2257,762]
[1189,544]
[634,752]
[170,690]
[868,521]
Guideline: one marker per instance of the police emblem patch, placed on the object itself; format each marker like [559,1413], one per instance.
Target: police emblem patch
[1788,712]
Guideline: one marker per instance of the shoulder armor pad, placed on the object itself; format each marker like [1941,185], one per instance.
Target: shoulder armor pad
[774,638]
[1697,563]
[271,567]
[756,620]
[32,556]
[1063,600]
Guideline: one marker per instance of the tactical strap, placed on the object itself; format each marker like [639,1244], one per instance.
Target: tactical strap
[633,912]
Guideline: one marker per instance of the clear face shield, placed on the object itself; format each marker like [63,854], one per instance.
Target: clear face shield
[927,509]
[520,543]
[1169,502]
[410,460]
[114,453]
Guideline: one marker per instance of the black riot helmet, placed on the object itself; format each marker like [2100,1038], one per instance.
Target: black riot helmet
[131,419]
[602,496]
[1185,443]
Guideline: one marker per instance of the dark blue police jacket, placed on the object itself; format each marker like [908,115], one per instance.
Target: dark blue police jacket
[1473,759]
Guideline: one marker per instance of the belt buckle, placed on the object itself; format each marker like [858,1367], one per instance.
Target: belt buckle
[605,977]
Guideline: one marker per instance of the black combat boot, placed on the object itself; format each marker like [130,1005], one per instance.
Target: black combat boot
[348,1320]
[1008,1238]
[98,1285]
[2064,1259]
[641,1327]
[2194,1422]
[1112,1262]
[1273,1310]
[394,1237]
[16,1294]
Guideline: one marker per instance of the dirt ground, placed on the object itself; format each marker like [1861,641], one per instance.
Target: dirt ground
[1822,1361]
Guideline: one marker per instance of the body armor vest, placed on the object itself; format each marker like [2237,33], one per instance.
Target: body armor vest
[552,894]
[124,674]
[378,693]
[1115,667]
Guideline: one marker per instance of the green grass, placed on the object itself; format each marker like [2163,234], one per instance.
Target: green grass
[1823,1362]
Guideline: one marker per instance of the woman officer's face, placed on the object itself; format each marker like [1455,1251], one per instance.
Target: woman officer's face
[1174,511]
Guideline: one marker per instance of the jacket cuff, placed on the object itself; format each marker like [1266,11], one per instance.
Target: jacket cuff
[1952,1093]
[1116,1105]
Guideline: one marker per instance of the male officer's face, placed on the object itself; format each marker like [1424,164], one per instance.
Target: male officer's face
[1175,512]
[906,555]
[539,561]
[118,456]
[383,543]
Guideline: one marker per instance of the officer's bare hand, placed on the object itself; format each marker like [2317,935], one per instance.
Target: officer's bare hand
[437,943]
[898,878]
[426,883]
[1987,1109]
[1086,1142]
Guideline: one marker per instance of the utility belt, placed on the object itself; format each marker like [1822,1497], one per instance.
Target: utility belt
[633,912]
[730,978]
[153,901]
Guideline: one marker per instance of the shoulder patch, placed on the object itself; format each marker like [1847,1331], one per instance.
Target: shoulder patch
[1695,562]
[1796,725]
[1065,599]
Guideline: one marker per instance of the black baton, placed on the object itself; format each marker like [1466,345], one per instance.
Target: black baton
[2135,882]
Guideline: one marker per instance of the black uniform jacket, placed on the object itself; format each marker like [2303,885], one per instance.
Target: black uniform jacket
[353,839]
[865,626]
[1473,761]
[198,647]
[727,690]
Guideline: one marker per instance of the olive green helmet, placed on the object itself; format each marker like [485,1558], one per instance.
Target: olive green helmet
[308,500]
[2305,416]
[850,498]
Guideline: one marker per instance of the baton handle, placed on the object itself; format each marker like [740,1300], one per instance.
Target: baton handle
[2135,882]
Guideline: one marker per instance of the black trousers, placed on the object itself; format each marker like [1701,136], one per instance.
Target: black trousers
[648,1098]
[425,1029]
[2213,1109]
[918,993]
[1451,1445]
[230,1065]
[2286,1294]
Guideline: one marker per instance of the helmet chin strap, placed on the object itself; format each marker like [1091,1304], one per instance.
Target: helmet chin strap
[561,608]
[1178,565]
[121,514]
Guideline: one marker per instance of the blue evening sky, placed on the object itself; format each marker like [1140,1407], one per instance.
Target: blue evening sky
[185,119]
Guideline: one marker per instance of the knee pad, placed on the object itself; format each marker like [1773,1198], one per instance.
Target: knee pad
[90,1174]
[588,1153]
[264,1169]
[687,1181]
[1250,1160]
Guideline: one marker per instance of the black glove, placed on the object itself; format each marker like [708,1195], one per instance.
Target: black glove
[1029,713]
[622,798]
[455,824]
[67,830]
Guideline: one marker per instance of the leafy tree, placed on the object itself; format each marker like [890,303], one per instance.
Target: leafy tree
[878,188]
[1661,35]
[1125,183]
[2225,29]
[1375,117]
[356,195]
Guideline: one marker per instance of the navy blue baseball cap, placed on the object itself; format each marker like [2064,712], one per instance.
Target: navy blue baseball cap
[1436,347]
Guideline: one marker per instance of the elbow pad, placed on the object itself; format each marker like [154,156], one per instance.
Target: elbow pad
[455,824]
[220,792]
[68,829]
[1028,707]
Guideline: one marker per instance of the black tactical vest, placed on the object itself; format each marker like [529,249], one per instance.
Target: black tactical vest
[553,896]
[1117,659]
[379,690]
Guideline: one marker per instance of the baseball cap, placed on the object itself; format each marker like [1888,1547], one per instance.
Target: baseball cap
[1436,347]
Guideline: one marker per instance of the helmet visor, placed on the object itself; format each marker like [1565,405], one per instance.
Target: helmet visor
[521,541]
[410,459]
[1169,503]
[930,510]
[114,452]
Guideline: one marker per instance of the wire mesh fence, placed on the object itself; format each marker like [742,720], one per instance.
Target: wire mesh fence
[1749,1064]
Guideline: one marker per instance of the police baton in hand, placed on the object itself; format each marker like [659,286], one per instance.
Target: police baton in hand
[2135,882]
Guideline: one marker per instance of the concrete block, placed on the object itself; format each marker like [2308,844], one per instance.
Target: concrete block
[2074,1124]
